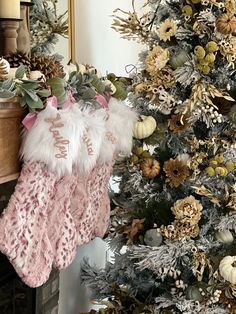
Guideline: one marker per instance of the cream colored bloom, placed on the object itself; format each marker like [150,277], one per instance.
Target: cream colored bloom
[187,210]
[156,59]
[167,29]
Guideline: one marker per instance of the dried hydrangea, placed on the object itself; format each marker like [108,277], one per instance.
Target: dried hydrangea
[187,210]
[156,59]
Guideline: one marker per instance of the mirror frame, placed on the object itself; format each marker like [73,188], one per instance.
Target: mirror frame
[71,30]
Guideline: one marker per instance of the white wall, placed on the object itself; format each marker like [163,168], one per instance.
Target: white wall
[96,43]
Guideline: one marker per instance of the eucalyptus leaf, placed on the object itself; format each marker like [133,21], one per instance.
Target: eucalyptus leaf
[33,104]
[23,102]
[89,94]
[30,85]
[20,72]
[32,94]
[72,77]
[99,85]
[44,92]
[6,94]
[8,85]
[62,98]
[29,81]
[58,88]
[56,81]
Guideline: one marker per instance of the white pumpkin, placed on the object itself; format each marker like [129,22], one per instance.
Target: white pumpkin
[145,127]
[224,236]
[12,74]
[36,75]
[227,269]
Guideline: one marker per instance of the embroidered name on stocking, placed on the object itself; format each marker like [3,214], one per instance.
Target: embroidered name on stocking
[111,137]
[60,143]
[87,142]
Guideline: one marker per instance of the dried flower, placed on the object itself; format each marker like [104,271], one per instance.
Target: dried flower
[133,229]
[164,77]
[230,6]
[178,123]
[176,172]
[228,49]
[156,59]
[167,29]
[179,231]
[200,263]
[226,23]
[187,210]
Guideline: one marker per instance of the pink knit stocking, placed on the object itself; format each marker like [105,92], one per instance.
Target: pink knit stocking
[23,234]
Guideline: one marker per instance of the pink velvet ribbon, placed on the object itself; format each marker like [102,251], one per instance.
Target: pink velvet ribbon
[102,100]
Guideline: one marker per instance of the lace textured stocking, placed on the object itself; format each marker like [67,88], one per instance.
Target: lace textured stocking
[61,227]
[23,234]
[95,208]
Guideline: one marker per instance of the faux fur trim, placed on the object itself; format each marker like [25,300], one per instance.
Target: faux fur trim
[92,138]
[55,139]
[119,130]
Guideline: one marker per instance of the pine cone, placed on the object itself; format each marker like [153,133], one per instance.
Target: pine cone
[48,65]
[17,58]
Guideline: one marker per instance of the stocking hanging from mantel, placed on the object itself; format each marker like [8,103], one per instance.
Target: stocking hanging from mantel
[61,197]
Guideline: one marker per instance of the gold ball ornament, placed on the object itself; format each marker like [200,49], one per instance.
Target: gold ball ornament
[219,158]
[203,62]
[145,127]
[221,171]
[187,10]
[199,52]
[227,269]
[211,46]
[226,23]
[230,166]
[213,163]
[150,168]
[206,69]
[210,57]
[210,171]
[4,69]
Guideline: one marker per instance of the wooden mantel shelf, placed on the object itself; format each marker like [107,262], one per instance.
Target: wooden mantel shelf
[11,115]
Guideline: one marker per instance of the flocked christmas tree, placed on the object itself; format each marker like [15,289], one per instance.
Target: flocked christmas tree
[176,210]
